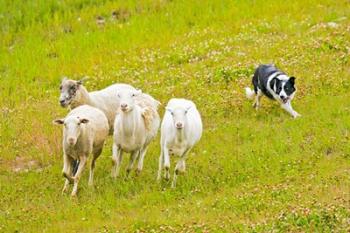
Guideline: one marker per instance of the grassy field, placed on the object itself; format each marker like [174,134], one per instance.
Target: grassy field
[251,172]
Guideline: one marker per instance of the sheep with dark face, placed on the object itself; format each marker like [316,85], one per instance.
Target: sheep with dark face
[136,124]
[74,94]
[181,129]
[85,131]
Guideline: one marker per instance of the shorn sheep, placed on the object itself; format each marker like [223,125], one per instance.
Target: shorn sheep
[85,131]
[136,124]
[181,129]
[74,94]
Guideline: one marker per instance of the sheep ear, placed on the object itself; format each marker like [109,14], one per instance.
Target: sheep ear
[63,79]
[168,109]
[58,121]
[139,91]
[84,121]
[187,109]
[82,81]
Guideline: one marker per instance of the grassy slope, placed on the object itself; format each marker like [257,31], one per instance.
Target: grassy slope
[255,171]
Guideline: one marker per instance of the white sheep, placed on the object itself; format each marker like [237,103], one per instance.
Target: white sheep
[85,131]
[181,129]
[74,94]
[136,124]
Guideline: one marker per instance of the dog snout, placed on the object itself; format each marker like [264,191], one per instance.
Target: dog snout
[284,98]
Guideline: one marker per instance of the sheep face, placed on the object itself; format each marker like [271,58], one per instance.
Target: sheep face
[72,128]
[127,99]
[179,117]
[68,89]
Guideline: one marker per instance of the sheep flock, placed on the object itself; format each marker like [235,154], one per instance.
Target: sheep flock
[131,116]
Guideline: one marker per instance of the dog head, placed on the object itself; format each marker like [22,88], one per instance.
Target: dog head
[283,88]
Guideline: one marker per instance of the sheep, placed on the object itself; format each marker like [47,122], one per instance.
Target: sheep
[135,125]
[74,94]
[181,129]
[85,131]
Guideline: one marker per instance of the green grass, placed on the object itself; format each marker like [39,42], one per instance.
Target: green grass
[251,172]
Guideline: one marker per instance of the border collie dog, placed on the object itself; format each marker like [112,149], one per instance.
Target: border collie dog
[275,84]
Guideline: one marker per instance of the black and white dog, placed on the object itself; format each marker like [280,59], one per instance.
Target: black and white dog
[275,84]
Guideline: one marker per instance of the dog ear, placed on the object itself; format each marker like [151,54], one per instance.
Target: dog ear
[292,80]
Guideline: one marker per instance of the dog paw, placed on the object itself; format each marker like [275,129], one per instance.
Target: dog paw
[296,115]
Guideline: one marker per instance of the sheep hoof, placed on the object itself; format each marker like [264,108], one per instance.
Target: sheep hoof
[167,176]
[68,177]
[64,190]
[127,176]
[159,176]
[138,172]
[114,175]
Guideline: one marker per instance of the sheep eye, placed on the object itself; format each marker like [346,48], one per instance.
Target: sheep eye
[133,95]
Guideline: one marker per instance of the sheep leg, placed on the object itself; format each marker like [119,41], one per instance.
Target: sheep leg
[67,171]
[78,174]
[166,159]
[96,154]
[117,159]
[75,165]
[133,157]
[160,168]
[180,167]
[141,158]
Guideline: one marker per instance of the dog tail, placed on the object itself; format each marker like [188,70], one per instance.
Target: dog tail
[249,93]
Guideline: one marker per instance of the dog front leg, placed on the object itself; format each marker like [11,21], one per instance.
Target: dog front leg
[288,107]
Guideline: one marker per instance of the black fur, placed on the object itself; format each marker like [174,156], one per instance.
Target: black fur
[289,88]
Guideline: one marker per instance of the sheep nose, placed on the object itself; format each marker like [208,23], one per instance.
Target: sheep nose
[71,141]
[62,102]
[123,106]
[179,125]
